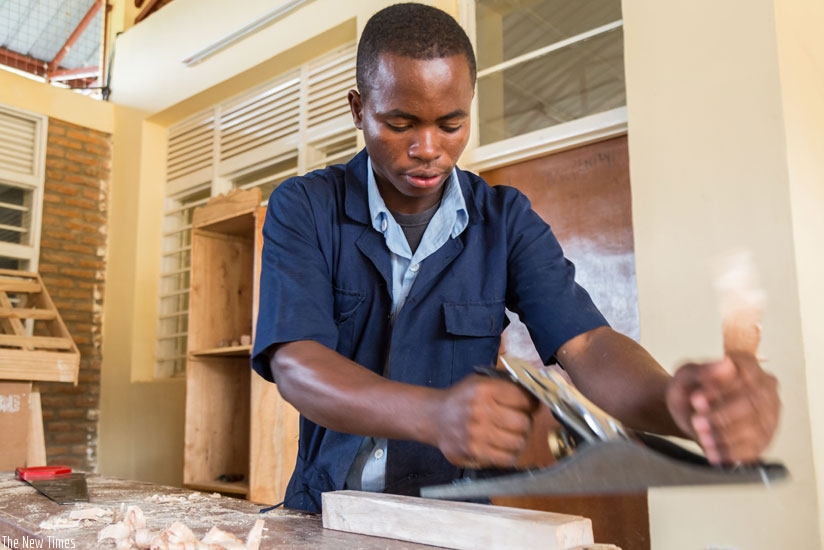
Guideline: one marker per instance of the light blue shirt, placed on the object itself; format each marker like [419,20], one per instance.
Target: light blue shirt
[448,222]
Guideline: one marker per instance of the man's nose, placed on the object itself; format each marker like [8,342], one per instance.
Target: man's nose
[426,145]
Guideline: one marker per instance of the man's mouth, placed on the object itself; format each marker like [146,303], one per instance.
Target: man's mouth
[424,179]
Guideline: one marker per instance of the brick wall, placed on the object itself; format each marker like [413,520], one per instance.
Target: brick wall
[72,265]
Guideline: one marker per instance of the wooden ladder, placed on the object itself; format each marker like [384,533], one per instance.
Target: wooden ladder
[47,351]
[34,346]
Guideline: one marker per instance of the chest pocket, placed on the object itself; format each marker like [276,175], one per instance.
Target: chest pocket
[475,329]
[346,305]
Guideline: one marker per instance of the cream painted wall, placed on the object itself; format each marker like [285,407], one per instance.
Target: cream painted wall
[801,64]
[141,422]
[28,94]
[709,172]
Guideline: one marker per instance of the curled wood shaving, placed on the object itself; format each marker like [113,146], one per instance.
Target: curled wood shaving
[741,301]
[131,533]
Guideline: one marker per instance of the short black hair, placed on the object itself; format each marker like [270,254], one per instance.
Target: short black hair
[410,30]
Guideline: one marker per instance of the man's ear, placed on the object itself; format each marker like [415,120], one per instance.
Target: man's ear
[356,106]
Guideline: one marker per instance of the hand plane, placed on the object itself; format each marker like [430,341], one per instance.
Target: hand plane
[602,455]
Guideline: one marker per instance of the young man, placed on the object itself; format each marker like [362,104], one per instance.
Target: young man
[384,283]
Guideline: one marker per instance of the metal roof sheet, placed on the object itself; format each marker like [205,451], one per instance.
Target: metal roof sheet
[33,33]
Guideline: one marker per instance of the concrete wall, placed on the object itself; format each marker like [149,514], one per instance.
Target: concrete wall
[709,172]
[801,65]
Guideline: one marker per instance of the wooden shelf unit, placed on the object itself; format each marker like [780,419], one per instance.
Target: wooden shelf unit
[236,423]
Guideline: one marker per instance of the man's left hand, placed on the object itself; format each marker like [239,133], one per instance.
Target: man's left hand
[730,407]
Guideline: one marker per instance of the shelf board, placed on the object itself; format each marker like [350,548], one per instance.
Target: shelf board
[228,351]
[236,488]
[241,226]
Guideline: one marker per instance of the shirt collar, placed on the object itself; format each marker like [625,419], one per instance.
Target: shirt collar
[452,200]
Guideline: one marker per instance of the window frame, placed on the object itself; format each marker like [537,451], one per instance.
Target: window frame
[33,182]
[574,133]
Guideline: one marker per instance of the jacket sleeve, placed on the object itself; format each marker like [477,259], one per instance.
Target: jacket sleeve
[541,286]
[296,300]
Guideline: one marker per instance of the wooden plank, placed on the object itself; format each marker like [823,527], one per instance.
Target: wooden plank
[58,327]
[45,366]
[14,423]
[15,273]
[37,441]
[260,219]
[28,313]
[448,524]
[16,285]
[11,324]
[39,342]
[228,351]
[274,442]
[225,487]
[275,423]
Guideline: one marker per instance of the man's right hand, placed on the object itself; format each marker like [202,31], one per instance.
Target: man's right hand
[484,422]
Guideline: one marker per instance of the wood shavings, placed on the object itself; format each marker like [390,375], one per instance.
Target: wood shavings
[741,301]
[94,514]
[255,536]
[163,499]
[116,531]
[131,533]
[220,537]
[60,522]
[76,519]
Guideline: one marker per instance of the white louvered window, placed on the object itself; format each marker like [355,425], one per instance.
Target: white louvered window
[22,158]
[175,264]
[543,63]
[295,123]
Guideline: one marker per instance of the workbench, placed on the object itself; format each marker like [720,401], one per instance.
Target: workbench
[27,516]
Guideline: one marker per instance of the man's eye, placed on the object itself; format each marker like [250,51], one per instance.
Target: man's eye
[396,128]
[450,129]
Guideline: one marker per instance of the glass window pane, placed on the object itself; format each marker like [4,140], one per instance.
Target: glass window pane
[506,29]
[579,80]
[15,215]
[13,263]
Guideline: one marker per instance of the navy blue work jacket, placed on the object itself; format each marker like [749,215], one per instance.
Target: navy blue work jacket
[326,276]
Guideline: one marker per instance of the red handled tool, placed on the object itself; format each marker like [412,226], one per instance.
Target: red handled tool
[58,483]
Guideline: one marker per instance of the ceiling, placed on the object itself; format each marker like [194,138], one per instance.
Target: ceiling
[58,40]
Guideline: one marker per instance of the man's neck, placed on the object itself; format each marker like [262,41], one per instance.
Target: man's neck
[397,202]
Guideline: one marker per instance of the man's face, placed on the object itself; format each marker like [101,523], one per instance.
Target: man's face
[415,122]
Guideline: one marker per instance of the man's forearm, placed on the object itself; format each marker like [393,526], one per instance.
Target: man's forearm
[481,421]
[621,377]
[339,394]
